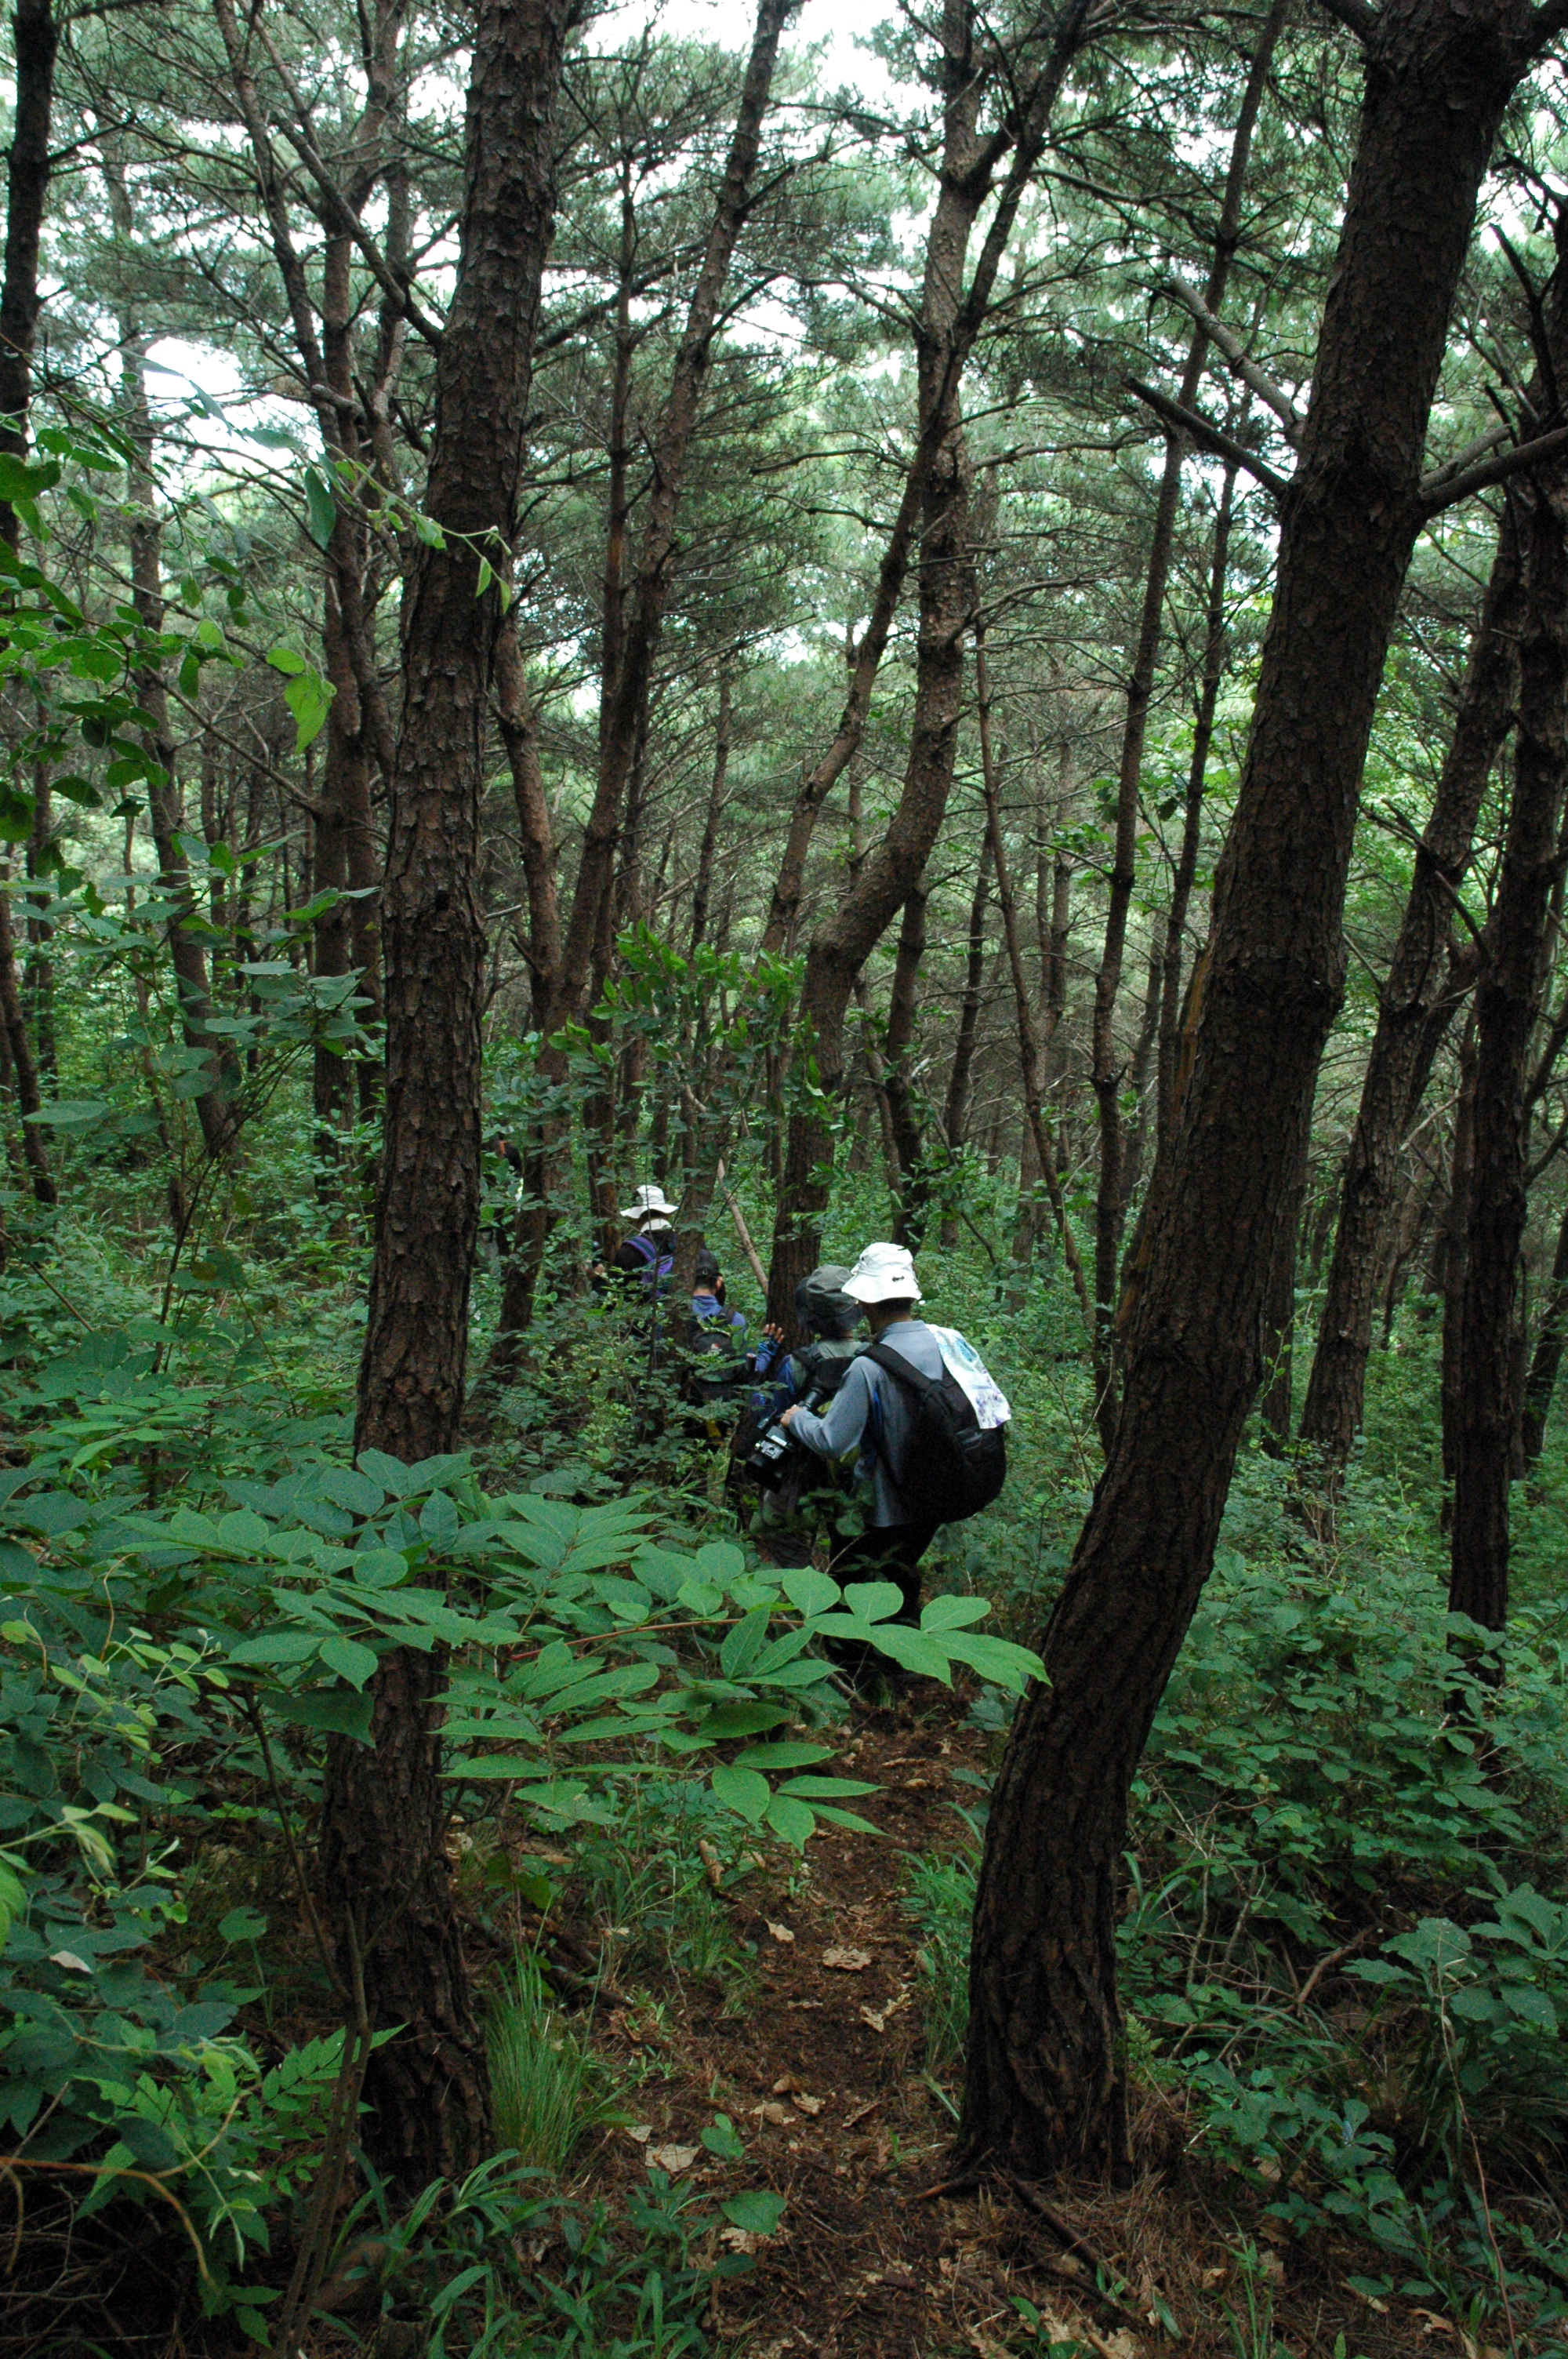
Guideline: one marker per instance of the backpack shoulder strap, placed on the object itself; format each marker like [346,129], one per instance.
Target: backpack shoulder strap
[900,1370]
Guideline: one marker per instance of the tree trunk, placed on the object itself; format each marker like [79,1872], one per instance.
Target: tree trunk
[898,1043]
[1113,1192]
[383,1811]
[37,39]
[1031,1046]
[166,809]
[960,1079]
[1407,1039]
[1046,2086]
[25,1071]
[702,889]
[1191,816]
[1456,1239]
[1547,1357]
[1508,999]
[1279,1324]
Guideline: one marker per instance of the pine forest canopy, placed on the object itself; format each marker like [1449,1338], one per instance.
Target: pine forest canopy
[949,618]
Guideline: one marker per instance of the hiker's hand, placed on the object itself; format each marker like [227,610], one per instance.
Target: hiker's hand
[772,1332]
[790,1414]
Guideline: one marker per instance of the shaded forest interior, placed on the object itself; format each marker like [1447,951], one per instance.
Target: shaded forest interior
[640,647]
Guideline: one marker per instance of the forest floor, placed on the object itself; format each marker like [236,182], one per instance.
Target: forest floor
[819,2065]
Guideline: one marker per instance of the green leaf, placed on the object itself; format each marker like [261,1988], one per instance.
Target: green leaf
[788,1755]
[242,1925]
[348,1488]
[812,1591]
[379,1568]
[321,507]
[759,2213]
[439,1520]
[952,1613]
[826,1789]
[310,699]
[18,481]
[349,1660]
[72,1113]
[742,1791]
[720,2138]
[873,1600]
[13,1900]
[745,1642]
[792,1822]
[284,659]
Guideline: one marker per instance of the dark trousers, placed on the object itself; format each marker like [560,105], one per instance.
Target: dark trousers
[885,1552]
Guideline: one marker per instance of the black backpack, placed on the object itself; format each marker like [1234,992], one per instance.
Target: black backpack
[953,1467]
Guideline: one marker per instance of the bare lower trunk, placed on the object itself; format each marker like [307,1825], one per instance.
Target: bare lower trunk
[1547,1358]
[912,1188]
[37,40]
[1046,2085]
[1508,1000]
[25,1071]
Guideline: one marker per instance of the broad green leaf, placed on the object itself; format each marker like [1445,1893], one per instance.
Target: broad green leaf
[793,1822]
[788,1755]
[439,1520]
[321,507]
[379,1568]
[873,1600]
[346,1487]
[825,1789]
[349,1660]
[812,1591]
[952,1613]
[745,1642]
[13,1900]
[742,1791]
[310,699]
[759,2213]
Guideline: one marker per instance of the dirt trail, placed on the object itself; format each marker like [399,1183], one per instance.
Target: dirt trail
[821,2071]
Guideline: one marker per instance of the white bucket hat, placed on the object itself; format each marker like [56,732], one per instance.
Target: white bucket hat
[883,1273]
[647,1201]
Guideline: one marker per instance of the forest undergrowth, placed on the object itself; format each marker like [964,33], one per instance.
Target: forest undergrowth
[719,1911]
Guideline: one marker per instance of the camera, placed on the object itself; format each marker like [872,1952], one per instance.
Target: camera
[769,1456]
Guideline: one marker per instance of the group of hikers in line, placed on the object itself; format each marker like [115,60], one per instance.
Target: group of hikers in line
[910,1406]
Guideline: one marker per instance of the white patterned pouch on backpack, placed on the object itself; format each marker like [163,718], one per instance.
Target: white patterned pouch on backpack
[984,1394]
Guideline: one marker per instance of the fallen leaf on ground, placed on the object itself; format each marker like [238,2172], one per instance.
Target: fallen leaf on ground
[784,2084]
[808,2105]
[877,2016]
[740,2240]
[673,2159]
[779,1932]
[776,2113]
[847,1962]
[640,2131]
[861,2111]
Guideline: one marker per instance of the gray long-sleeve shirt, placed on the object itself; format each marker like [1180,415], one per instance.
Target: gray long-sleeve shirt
[868,1398]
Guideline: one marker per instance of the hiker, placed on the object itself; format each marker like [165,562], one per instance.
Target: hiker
[503,1195]
[929,1422]
[716,1361]
[800,1493]
[649,1252]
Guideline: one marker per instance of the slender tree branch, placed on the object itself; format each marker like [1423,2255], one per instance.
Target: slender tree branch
[1227,341]
[1355,16]
[1207,437]
[1495,471]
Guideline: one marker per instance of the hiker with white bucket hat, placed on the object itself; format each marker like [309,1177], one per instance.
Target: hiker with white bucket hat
[926,1418]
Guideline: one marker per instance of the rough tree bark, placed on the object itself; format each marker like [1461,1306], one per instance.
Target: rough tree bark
[383,1813]
[1547,1357]
[960,1076]
[1508,999]
[36,41]
[1192,815]
[1105,1069]
[910,1189]
[1407,1038]
[1045,2086]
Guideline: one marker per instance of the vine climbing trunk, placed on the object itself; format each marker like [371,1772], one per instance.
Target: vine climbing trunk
[382,1811]
[1045,2086]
